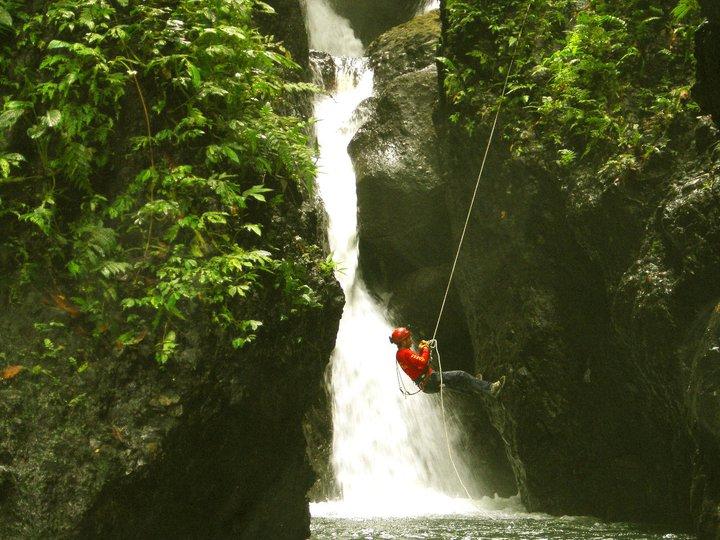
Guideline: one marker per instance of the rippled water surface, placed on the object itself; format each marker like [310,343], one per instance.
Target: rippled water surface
[495,526]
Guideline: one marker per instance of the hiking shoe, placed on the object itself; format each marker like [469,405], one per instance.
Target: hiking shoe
[497,386]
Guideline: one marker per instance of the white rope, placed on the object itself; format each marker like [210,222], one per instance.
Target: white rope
[433,344]
[433,341]
[482,169]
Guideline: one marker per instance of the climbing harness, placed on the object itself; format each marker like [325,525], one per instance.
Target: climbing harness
[401,383]
[433,342]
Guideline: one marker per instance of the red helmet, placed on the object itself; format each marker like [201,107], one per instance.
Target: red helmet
[399,335]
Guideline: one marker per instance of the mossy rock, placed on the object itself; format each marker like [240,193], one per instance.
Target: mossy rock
[371,18]
[408,47]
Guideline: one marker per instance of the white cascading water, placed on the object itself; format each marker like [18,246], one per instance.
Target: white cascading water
[429,5]
[389,452]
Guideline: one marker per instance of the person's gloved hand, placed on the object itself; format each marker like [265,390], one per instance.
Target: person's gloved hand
[423,344]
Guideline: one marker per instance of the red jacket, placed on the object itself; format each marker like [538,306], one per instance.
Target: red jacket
[414,364]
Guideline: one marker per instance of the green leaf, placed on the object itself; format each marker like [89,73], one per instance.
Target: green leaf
[230,153]
[74,268]
[252,324]
[57,44]
[79,398]
[264,8]
[167,348]
[52,118]
[239,343]
[9,117]
[5,18]
[685,8]
[256,192]
[253,227]
[40,216]
[114,268]
[194,73]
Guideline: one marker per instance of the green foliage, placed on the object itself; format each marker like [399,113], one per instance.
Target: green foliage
[685,8]
[597,84]
[142,158]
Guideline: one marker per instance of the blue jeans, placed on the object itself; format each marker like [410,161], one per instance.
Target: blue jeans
[460,381]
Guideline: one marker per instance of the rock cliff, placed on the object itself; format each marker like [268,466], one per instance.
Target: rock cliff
[702,355]
[370,18]
[588,294]
[402,223]
[707,53]
[211,447]
[97,438]
[593,288]
[395,154]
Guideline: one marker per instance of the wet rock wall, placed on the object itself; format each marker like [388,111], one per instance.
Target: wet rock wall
[597,300]
[103,442]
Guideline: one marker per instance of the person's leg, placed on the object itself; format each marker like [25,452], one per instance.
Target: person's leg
[432,386]
[465,383]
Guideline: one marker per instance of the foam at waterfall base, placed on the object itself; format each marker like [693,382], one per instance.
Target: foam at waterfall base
[424,503]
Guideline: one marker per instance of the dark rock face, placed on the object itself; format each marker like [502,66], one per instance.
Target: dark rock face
[211,446]
[689,230]
[396,163]
[707,52]
[588,295]
[711,10]
[594,411]
[234,460]
[705,414]
[585,294]
[318,430]
[402,224]
[407,47]
[535,313]
[395,158]
[287,25]
[370,18]
[401,232]
[323,68]
[597,300]
[7,482]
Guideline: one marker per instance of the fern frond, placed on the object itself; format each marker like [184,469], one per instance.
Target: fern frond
[685,8]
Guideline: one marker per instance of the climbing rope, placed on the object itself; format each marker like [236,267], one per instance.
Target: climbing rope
[482,168]
[433,341]
[433,345]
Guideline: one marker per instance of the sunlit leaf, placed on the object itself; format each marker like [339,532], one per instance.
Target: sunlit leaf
[5,18]
[9,117]
[53,118]
[11,371]
[194,73]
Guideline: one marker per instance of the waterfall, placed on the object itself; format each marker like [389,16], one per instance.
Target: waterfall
[429,5]
[389,452]
[329,32]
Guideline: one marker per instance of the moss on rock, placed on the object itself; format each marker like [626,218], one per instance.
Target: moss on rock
[155,417]
[408,47]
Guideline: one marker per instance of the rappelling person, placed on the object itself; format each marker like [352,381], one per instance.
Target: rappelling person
[417,367]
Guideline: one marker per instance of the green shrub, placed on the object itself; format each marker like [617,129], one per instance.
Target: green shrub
[597,83]
[142,160]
